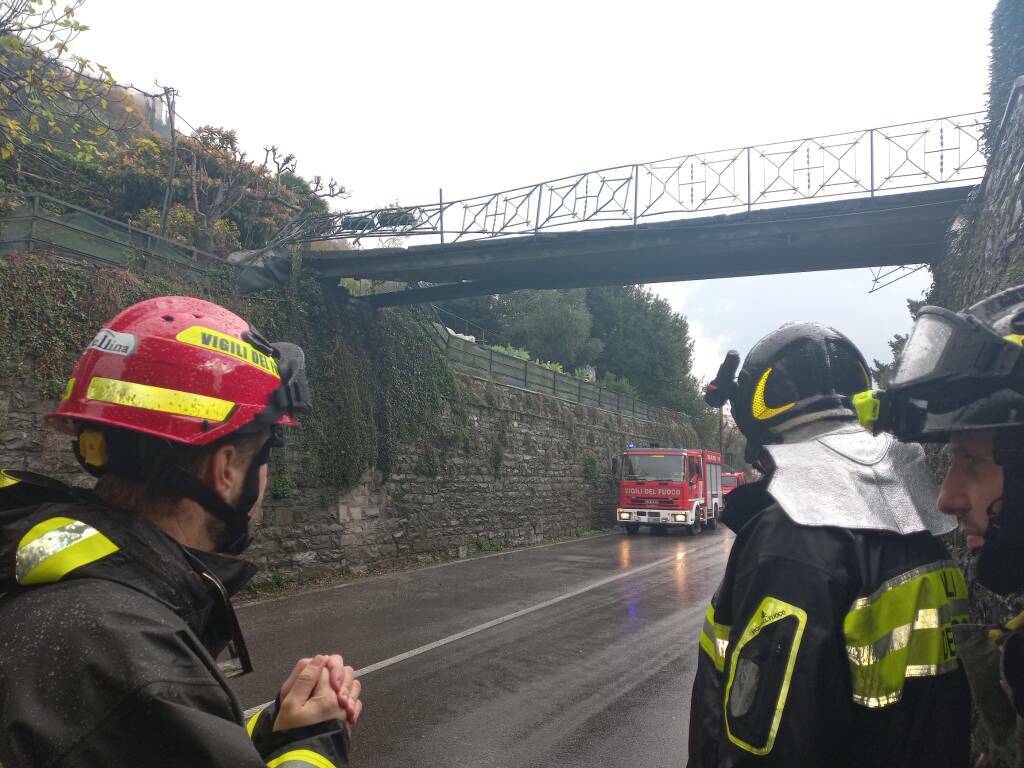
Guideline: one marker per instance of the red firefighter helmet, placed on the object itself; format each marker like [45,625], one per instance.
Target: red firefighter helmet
[183,369]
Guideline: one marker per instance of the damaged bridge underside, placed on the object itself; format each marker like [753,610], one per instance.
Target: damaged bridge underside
[891,230]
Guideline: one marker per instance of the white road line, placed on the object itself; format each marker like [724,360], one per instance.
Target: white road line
[508,617]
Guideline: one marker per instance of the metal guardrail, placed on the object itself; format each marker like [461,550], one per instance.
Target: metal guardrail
[34,220]
[944,151]
[484,362]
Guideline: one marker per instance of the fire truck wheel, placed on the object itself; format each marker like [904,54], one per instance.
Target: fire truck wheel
[632,529]
[713,522]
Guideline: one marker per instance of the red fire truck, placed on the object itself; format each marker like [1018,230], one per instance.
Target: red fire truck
[669,488]
[732,480]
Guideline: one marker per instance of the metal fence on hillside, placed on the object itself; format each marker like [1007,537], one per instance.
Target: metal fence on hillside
[33,220]
[484,362]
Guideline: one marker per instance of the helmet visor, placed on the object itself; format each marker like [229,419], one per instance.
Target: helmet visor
[293,397]
[924,350]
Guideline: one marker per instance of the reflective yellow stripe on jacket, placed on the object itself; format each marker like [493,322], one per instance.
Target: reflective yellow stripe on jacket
[55,547]
[714,639]
[250,724]
[904,629]
[300,758]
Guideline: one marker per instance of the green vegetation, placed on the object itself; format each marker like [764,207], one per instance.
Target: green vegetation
[376,379]
[67,129]
[633,339]
[618,384]
[516,352]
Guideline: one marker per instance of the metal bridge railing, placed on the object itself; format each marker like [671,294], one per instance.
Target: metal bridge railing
[944,151]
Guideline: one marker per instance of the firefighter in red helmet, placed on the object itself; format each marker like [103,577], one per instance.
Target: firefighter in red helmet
[115,602]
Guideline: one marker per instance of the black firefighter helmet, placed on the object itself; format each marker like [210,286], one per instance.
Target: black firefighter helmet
[798,373]
[958,372]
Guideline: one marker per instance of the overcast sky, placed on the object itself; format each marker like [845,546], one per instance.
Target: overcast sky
[399,99]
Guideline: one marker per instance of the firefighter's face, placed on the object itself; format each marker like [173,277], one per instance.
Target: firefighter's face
[973,483]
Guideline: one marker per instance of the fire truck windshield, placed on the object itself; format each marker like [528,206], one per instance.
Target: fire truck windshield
[729,481]
[653,466]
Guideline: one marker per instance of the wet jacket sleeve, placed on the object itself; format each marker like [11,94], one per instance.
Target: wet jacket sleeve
[166,724]
[785,682]
[134,687]
[329,740]
[706,700]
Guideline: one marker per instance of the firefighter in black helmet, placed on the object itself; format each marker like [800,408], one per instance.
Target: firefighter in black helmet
[827,642]
[960,380]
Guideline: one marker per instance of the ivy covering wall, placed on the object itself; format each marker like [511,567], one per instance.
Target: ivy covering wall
[377,378]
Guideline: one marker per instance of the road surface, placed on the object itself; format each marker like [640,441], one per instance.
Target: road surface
[574,654]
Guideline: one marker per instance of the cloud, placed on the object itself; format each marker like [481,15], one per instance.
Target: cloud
[734,313]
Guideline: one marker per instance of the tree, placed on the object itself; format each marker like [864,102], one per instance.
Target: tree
[55,108]
[632,337]
[553,325]
[883,372]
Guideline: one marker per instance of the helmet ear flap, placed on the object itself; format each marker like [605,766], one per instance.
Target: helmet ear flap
[90,448]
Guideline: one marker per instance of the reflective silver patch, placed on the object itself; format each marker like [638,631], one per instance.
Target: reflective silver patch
[744,686]
[49,544]
[849,478]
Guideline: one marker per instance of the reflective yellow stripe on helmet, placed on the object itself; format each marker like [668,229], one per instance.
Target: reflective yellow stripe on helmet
[6,480]
[1015,338]
[904,629]
[55,547]
[714,639]
[207,338]
[158,399]
[761,410]
[300,758]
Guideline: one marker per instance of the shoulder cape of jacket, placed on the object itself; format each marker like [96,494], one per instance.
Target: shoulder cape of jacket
[826,646]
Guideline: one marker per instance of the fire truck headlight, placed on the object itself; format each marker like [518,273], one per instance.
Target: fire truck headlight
[624,515]
[679,518]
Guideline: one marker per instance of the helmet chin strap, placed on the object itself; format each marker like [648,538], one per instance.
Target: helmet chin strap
[176,481]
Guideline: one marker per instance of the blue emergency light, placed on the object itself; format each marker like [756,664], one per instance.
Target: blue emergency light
[629,446]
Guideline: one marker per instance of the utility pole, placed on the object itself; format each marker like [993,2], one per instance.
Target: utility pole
[169,98]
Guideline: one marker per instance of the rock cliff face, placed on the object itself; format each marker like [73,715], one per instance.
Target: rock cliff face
[986,243]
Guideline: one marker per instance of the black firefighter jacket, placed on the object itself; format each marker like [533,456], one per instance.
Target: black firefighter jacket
[108,633]
[829,647]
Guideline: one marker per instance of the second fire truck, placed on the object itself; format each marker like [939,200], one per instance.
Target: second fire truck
[669,488]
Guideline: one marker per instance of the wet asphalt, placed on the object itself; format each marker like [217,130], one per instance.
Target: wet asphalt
[575,654]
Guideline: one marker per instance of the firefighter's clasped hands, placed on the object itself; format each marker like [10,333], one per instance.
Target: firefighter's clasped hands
[318,689]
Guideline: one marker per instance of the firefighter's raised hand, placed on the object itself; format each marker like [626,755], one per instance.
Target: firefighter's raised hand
[308,698]
[343,682]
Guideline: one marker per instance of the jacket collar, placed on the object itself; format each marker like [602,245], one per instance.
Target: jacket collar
[136,554]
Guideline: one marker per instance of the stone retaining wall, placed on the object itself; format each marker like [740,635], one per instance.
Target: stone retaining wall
[510,467]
